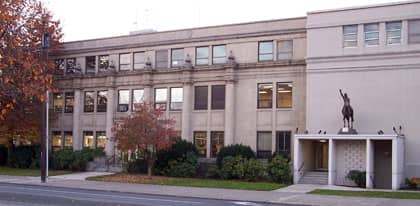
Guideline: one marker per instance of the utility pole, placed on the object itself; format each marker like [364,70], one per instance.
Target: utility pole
[44,130]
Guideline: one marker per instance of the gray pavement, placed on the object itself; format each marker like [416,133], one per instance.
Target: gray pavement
[294,195]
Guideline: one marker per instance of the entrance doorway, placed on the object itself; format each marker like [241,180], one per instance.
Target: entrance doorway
[321,155]
[383,164]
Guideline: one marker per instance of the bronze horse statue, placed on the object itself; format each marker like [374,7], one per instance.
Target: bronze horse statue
[347,110]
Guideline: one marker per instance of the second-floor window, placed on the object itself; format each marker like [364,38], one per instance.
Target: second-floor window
[70,65]
[125,62]
[139,60]
[285,50]
[393,32]
[161,97]
[103,62]
[89,101]
[161,59]
[265,95]
[218,97]
[414,31]
[350,36]
[265,51]
[138,95]
[101,101]
[202,55]
[219,54]
[58,102]
[371,34]
[68,102]
[200,97]
[59,66]
[90,64]
[123,100]
[177,57]
[176,98]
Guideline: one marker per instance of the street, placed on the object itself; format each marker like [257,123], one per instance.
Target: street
[20,195]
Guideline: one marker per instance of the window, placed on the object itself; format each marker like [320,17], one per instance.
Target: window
[202,55]
[138,95]
[139,60]
[103,62]
[217,141]
[265,95]
[56,140]
[265,51]
[100,139]
[393,32]
[414,31]
[283,142]
[89,101]
[90,65]
[69,102]
[200,141]
[176,98]
[200,97]
[177,57]
[161,97]
[58,102]
[219,54]
[350,36]
[218,97]
[59,66]
[371,34]
[125,62]
[123,100]
[88,140]
[101,101]
[68,139]
[162,59]
[284,95]
[264,144]
[285,50]
[70,65]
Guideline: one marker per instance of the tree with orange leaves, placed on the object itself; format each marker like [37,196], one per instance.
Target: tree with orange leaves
[146,130]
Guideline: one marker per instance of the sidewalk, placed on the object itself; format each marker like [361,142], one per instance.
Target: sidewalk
[294,194]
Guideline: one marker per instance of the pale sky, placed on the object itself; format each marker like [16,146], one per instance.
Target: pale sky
[89,19]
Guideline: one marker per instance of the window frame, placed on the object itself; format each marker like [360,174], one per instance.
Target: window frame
[55,100]
[125,64]
[388,31]
[90,70]
[133,108]
[60,66]
[158,62]
[350,34]
[120,104]
[53,135]
[277,95]
[202,58]
[180,60]
[265,153]
[413,37]
[214,106]
[213,153]
[65,134]
[258,95]
[85,106]
[286,134]
[105,65]
[264,54]
[66,106]
[93,139]
[365,33]
[288,52]
[143,62]
[70,70]
[171,102]
[158,103]
[218,57]
[207,97]
[205,145]
[97,133]
[101,107]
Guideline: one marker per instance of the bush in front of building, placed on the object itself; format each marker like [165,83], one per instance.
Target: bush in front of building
[233,151]
[3,155]
[242,168]
[411,183]
[137,166]
[185,166]
[68,159]
[278,169]
[358,177]
[25,156]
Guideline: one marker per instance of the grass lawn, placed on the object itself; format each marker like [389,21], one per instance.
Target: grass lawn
[379,194]
[189,182]
[29,172]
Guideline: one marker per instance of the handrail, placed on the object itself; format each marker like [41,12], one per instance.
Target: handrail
[301,166]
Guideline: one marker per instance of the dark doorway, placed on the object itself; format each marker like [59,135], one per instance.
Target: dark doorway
[383,164]
[321,155]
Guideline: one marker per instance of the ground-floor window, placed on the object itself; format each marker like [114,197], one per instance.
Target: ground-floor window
[217,142]
[283,142]
[263,144]
[88,139]
[100,139]
[200,141]
[68,139]
[56,140]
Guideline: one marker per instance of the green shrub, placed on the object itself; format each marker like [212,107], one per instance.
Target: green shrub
[279,169]
[232,167]
[3,155]
[410,183]
[233,151]
[358,177]
[138,166]
[254,170]
[177,150]
[213,172]
[68,159]
[63,159]
[25,157]
[183,167]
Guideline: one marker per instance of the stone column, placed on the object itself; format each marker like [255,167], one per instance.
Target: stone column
[110,111]
[370,154]
[297,159]
[148,94]
[186,131]
[230,113]
[77,132]
[332,170]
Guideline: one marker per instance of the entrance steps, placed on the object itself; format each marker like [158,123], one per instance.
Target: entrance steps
[314,178]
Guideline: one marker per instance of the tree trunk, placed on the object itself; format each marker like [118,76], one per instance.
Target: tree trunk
[10,147]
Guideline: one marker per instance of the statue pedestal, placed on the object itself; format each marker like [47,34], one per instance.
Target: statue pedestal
[347,130]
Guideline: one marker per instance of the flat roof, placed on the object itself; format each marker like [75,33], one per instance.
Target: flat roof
[365,7]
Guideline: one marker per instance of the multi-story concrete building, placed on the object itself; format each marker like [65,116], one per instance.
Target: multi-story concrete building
[257,84]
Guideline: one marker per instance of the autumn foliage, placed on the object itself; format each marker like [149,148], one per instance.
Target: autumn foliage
[146,130]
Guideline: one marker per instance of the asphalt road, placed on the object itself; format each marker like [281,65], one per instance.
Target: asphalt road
[28,195]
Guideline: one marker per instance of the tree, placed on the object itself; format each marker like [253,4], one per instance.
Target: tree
[25,73]
[146,130]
